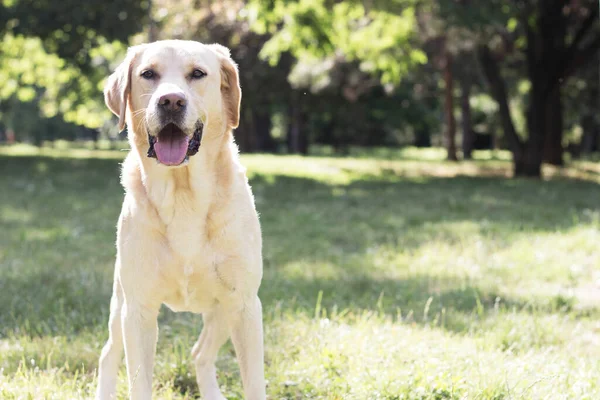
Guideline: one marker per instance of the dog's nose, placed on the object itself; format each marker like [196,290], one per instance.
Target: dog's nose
[174,102]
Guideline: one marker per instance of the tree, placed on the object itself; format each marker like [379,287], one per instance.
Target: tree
[582,102]
[553,38]
[70,28]
[443,44]
[375,43]
[58,53]
[450,130]
[466,83]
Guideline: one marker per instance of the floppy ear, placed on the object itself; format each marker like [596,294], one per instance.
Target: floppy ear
[230,85]
[118,87]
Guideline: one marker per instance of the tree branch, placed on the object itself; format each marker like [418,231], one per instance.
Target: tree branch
[499,93]
[581,57]
[585,27]
[574,57]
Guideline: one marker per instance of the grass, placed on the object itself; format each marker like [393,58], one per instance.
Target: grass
[396,277]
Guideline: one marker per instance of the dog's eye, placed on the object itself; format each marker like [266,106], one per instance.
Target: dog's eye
[198,74]
[148,74]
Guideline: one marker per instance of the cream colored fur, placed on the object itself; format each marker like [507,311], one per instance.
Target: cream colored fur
[188,236]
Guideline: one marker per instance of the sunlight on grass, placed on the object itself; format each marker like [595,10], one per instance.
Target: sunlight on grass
[404,277]
[61,151]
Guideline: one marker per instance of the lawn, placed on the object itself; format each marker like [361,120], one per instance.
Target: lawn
[399,276]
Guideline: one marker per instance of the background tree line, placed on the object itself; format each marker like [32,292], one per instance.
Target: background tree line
[520,75]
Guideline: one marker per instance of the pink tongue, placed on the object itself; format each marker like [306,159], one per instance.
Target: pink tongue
[171,149]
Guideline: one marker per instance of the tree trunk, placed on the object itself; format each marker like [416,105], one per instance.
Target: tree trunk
[551,47]
[262,128]
[95,134]
[542,60]
[468,136]
[449,108]
[152,26]
[534,150]
[589,121]
[529,164]
[297,140]
[522,166]
[553,147]
[329,136]
[589,141]
[536,126]
[422,137]
[245,133]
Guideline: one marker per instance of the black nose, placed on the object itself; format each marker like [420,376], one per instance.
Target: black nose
[173,102]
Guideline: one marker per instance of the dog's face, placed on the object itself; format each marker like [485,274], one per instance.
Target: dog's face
[172,89]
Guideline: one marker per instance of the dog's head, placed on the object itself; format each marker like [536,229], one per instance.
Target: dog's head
[169,90]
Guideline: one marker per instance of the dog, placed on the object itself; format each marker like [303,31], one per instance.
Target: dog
[188,235]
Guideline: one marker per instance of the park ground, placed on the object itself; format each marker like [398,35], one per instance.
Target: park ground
[392,275]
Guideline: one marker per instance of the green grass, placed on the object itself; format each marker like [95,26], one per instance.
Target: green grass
[396,277]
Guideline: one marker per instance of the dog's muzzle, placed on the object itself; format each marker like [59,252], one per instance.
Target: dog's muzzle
[167,145]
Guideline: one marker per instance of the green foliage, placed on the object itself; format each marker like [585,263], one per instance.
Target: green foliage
[376,118]
[481,17]
[71,28]
[57,54]
[381,41]
[367,58]
[28,122]
[351,58]
[32,74]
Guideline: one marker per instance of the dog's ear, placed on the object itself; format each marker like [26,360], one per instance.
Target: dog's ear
[118,86]
[230,85]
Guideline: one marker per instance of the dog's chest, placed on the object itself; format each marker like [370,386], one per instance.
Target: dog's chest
[193,277]
[193,270]
[197,289]
[193,280]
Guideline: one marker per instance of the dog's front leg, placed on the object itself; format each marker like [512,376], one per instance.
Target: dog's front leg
[140,332]
[247,337]
[112,352]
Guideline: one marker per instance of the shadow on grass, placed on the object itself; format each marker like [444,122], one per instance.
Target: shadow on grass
[445,302]
[59,219]
[408,212]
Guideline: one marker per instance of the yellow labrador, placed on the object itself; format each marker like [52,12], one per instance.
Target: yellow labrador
[188,235]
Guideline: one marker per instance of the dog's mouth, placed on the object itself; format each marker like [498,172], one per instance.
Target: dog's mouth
[171,146]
